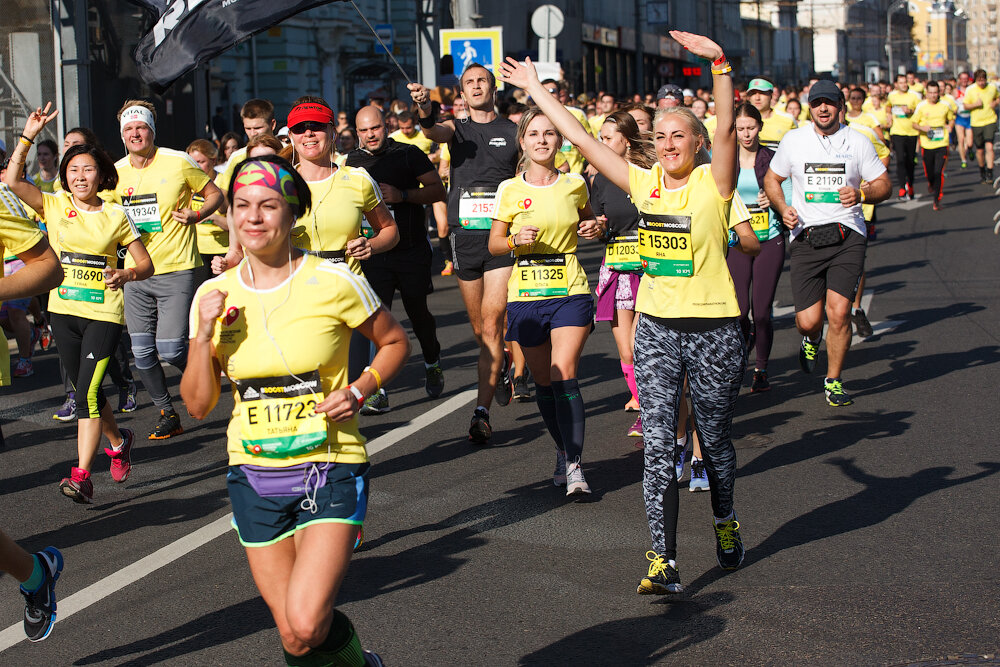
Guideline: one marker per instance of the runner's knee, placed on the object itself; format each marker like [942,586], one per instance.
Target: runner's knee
[173,350]
[144,350]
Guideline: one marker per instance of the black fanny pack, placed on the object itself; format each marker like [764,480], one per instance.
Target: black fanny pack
[823,236]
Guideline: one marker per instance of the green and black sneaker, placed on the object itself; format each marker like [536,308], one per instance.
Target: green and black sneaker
[807,354]
[835,394]
[662,577]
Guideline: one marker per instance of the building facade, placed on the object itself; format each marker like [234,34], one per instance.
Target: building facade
[852,41]
[939,38]
[983,35]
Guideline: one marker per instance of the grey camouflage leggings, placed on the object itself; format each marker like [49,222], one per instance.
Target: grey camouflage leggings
[714,363]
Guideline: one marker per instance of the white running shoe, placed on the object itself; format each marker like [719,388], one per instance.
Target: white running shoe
[576,485]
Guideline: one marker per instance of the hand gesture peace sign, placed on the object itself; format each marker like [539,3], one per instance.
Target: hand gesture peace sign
[37,120]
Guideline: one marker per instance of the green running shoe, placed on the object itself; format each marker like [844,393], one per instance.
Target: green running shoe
[807,354]
[835,394]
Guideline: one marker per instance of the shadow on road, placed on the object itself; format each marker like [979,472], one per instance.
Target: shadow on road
[684,623]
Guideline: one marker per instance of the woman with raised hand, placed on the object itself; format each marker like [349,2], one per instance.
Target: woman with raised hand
[539,214]
[87,309]
[687,301]
[279,326]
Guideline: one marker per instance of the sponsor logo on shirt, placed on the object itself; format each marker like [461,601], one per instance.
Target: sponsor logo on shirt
[655,193]
[231,315]
[498,142]
[524,204]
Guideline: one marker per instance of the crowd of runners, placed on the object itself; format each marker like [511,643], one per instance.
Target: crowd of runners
[271,268]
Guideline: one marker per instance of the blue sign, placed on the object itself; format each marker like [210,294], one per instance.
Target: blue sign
[385,33]
[464,52]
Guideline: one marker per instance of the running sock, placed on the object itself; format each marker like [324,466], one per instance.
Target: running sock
[570,416]
[342,643]
[682,441]
[546,400]
[732,515]
[480,408]
[444,244]
[37,576]
[310,659]
[629,371]
[436,363]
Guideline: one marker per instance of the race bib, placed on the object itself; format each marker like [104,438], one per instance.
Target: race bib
[144,212]
[900,111]
[476,207]
[665,245]
[567,146]
[83,277]
[366,229]
[760,222]
[542,275]
[936,134]
[823,181]
[622,253]
[276,415]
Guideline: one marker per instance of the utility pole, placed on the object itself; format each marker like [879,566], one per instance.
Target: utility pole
[639,77]
[465,13]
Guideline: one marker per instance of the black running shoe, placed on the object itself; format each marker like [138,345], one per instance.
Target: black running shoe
[728,544]
[835,394]
[760,382]
[862,327]
[521,392]
[40,606]
[505,386]
[479,430]
[807,354]
[661,579]
[168,426]
[434,380]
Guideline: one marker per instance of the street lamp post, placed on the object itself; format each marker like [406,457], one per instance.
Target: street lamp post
[898,4]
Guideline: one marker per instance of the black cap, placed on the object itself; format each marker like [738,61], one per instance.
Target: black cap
[824,88]
[670,90]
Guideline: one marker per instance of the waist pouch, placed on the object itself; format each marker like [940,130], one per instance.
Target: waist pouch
[823,236]
[338,256]
[290,481]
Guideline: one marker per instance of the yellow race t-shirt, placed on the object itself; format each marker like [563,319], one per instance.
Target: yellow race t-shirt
[46,186]
[710,123]
[17,234]
[212,239]
[151,195]
[225,178]
[985,114]
[902,106]
[339,203]
[881,150]
[547,268]
[418,140]
[568,150]
[683,231]
[86,242]
[310,317]
[775,127]
[865,118]
[936,116]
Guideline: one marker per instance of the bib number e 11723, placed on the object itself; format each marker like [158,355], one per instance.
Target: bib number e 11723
[144,212]
[665,246]
[83,277]
[277,418]
[823,181]
[622,253]
[542,275]
[476,207]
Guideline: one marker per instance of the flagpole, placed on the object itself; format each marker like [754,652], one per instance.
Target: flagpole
[398,66]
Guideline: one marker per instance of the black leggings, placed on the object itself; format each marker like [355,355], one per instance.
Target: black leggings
[85,347]
[934,161]
[759,274]
[905,149]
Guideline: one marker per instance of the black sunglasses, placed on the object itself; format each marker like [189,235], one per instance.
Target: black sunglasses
[306,126]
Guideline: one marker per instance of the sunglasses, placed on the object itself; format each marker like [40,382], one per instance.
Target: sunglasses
[307,126]
[815,103]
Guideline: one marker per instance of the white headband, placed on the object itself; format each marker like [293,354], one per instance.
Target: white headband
[141,114]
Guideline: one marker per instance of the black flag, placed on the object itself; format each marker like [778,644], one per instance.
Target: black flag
[190,32]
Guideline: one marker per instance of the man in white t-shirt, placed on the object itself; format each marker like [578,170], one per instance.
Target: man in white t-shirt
[827,162]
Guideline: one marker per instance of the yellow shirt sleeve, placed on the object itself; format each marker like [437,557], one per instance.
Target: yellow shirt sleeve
[18,234]
[506,207]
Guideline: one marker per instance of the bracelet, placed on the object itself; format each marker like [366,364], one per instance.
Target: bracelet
[719,61]
[378,378]
[135,276]
[862,193]
[511,242]
[357,394]
[722,70]
[429,122]
[26,139]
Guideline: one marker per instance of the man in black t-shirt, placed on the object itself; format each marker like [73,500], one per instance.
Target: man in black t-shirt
[408,181]
[483,151]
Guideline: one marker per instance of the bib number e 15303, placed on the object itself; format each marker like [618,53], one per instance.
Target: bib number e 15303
[665,245]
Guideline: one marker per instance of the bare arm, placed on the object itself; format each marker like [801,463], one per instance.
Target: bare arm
[432,191]
[116,278]
[42,272]
[748,245]
[200,384]
[25,190]
[386,234]
[605,160]
[213,200]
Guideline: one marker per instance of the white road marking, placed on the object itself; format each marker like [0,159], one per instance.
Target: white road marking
[202,536]
[910,204]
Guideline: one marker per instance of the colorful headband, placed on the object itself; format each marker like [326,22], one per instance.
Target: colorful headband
[137,113]
[269,175]
[309,111]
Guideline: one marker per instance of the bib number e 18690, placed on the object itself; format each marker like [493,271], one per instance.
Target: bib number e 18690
[276,415]
[760,222]
[542,275]
[476,207]
[83,277]
[665,245]
[144,212]
[622,253]
[823,181]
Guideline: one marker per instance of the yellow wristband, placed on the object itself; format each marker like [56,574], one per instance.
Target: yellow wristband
[24,141]
[862,194]
[378,378]
[510,242]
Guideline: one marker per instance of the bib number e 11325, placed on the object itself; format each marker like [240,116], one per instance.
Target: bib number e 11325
[83,277]
[665,245]
[277,418]
[542,275]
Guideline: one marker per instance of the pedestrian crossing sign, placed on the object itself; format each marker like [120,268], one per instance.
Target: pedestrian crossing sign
[482,45]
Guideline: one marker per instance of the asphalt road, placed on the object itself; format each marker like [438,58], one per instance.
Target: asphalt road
[869,528]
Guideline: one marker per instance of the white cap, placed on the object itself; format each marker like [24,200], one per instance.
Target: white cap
[283,132]
[688,92]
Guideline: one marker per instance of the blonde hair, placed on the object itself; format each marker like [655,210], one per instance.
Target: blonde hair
[522,128]
[205,147]
[697,128]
